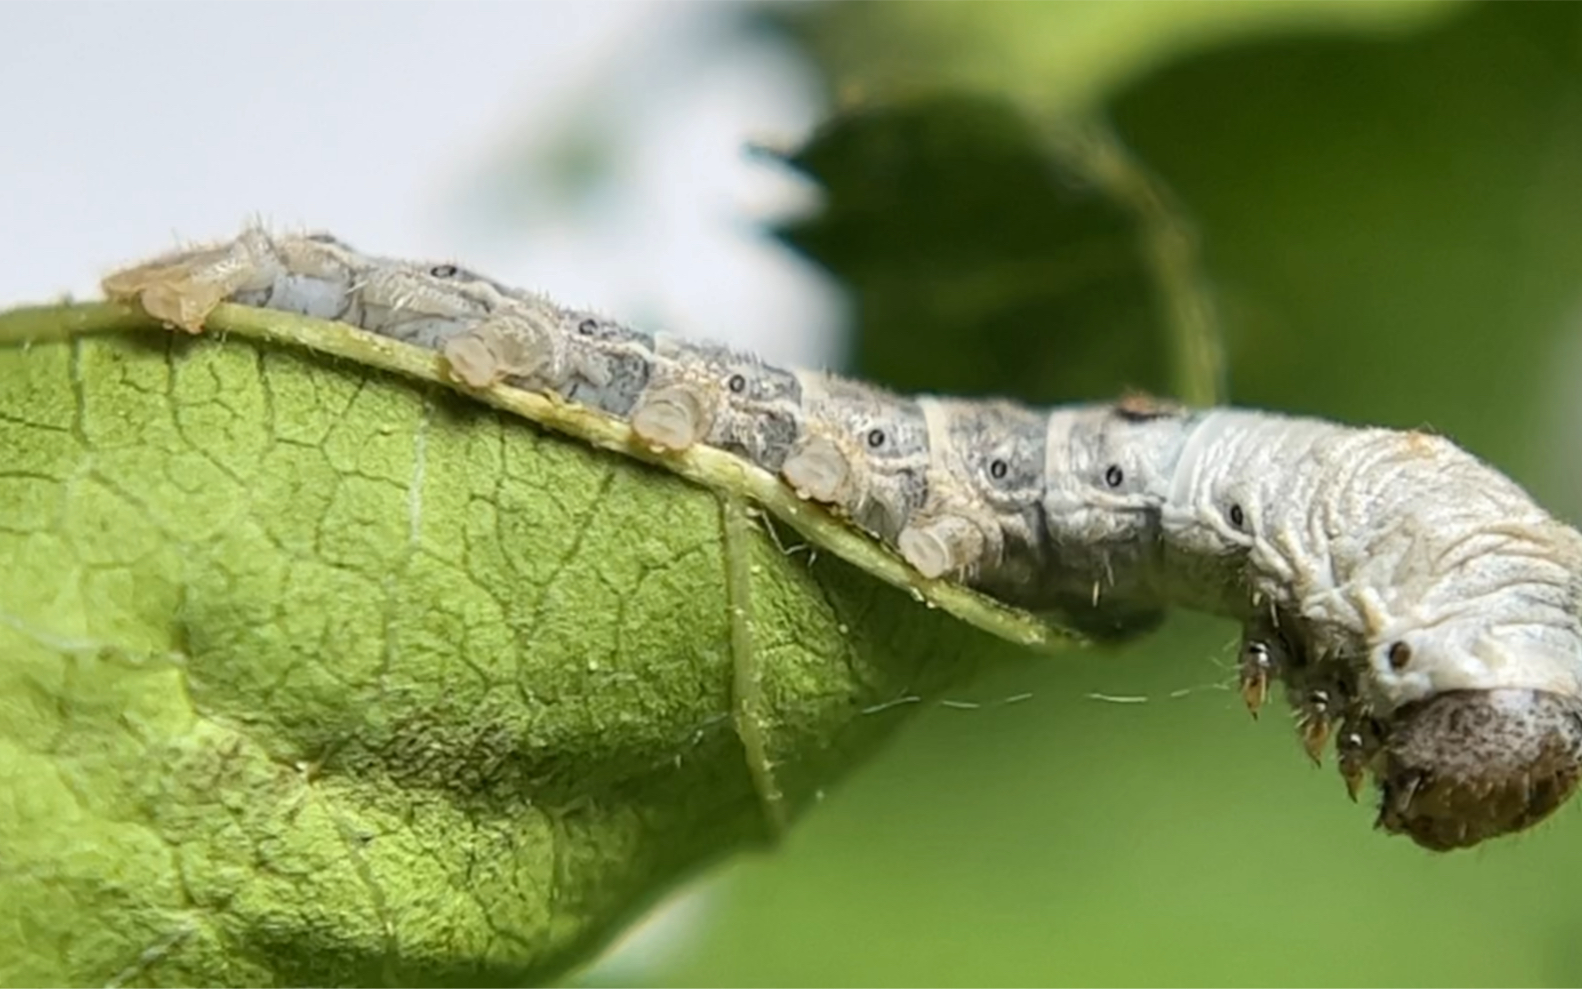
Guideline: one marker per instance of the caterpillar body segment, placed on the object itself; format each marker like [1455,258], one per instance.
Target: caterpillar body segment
[707,393]
[677,409]
[1400,550]
[317,276]
[425,305]
[625,355]
[761,411]
[982,519]
[1426,609]
[1106,480]
[522,342]
[862,450]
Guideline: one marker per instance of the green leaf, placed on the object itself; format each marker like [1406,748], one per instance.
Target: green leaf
[316,674]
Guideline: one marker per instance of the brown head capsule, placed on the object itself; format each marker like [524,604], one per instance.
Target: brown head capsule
[1468,765]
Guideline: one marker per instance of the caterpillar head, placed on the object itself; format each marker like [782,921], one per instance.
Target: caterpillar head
[861,450]
[1485,737]
[1467,765]
[1471,730]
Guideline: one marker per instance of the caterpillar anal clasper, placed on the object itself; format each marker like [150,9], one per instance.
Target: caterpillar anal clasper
[1420,611]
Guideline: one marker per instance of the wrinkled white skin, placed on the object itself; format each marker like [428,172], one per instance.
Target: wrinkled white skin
[1363,537]
[1368,538]
[1418,606]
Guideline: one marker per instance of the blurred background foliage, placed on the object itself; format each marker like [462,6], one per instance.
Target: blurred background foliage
[1382,203]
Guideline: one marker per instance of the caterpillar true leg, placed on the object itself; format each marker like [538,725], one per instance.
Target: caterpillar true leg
[1439,607]
[1357,746]
[1257,668]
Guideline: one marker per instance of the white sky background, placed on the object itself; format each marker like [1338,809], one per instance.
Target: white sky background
[127,126]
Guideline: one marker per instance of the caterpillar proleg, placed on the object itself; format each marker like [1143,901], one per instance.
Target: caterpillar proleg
[1419,609]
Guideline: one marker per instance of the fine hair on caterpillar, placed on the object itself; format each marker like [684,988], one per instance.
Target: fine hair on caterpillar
[1421,612]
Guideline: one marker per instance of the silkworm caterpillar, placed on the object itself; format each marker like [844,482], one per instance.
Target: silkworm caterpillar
[1419,609]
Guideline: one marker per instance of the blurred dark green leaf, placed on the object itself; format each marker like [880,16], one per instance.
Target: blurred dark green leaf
[978,264]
